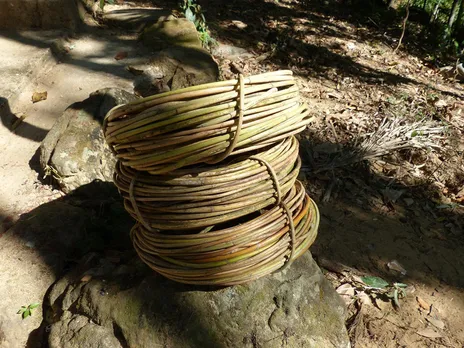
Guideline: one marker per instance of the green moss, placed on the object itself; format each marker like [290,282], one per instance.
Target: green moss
[171,32]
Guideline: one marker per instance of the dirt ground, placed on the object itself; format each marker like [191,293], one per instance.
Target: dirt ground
[398,216]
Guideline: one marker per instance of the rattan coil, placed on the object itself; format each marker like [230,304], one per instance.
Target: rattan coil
[172,130]
[203,196]
[232,255]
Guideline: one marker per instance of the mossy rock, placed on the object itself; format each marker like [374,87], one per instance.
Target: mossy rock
[74,152]
[293,308]
[171,31]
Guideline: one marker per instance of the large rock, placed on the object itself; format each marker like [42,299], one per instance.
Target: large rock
[80,331]
[173,68]
[127,305]
[171,31]
[74,152]
[179,61]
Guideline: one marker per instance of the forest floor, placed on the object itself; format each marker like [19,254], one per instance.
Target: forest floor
[399,216]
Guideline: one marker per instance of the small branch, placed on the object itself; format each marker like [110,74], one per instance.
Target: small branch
[333,130]
[405,20]
[18,121]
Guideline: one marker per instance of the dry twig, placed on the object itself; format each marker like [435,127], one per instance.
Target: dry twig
[405,20]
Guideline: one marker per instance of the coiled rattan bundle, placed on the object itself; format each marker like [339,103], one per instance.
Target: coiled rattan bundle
[205,123]
[208,195]
[237,254]
[210,174]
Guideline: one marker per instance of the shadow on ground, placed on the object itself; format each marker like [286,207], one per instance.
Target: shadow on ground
[277,28]
[362,229]
[280,23]
[296,36]
[14,123]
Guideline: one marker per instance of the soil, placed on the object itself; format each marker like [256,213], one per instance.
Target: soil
[398,216]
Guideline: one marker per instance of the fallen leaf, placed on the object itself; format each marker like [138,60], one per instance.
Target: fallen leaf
[239,24]
[460,194]
[39,96]
[121,55]
[86,278]
[335,94]
[436,322]
[375,282]
[422,303]
[346,292]
[429,333]
[262,57]
[345,289]
[365,298]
